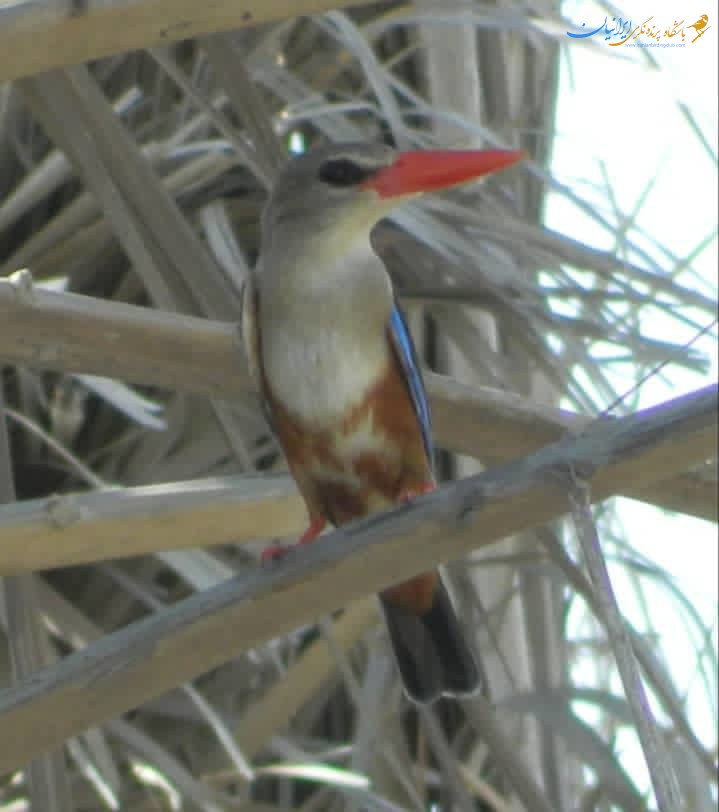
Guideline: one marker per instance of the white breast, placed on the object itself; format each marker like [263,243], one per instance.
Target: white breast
[320,372]
[323,327]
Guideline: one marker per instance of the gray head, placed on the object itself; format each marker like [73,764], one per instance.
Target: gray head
[326,189]
[336,193]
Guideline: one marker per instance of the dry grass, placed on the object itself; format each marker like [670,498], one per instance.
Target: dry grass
[137,183]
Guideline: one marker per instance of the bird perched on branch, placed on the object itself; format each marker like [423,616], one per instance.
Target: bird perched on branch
[337,371]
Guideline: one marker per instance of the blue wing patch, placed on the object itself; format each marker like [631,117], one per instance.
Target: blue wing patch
[407,357]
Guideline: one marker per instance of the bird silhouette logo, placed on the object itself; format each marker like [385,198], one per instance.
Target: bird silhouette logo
[700,26]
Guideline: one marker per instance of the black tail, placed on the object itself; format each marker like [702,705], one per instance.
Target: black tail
[432,655]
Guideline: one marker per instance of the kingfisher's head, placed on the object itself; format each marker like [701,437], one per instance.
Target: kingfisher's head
[342,190]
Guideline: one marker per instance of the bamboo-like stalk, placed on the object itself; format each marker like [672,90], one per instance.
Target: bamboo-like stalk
[71,333]
[177,268]
[664,780]
[67,332]
[286,696]
[79,528]
[523,782]
[130,666]
[36,37]
[248,103]
[29,650]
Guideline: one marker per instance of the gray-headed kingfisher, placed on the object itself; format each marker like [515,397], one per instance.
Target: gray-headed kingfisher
[338,374]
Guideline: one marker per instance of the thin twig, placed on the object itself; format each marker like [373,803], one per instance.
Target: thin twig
[192,636]
[655,370]
[661,771]
[92,479]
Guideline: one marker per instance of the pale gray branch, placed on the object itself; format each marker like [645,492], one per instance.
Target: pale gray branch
[67,332]
[72,333]
[145,659]
[100,525]
[37,36]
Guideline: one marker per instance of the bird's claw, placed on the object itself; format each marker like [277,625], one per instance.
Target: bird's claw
[273,553]
[408,494]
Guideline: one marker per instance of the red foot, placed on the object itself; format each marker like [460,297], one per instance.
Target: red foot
[273,553]
[408,494]
[315,528]
[276,551]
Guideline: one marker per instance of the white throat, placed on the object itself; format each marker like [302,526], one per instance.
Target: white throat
[323,324]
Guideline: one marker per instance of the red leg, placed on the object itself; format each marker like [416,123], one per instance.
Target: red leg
[275,551]
[316,527]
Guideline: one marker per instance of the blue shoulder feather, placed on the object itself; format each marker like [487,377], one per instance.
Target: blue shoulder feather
[404,348]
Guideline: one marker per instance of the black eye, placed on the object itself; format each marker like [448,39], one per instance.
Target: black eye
[343,172]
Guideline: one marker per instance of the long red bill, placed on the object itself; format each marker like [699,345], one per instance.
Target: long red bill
[425,170]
